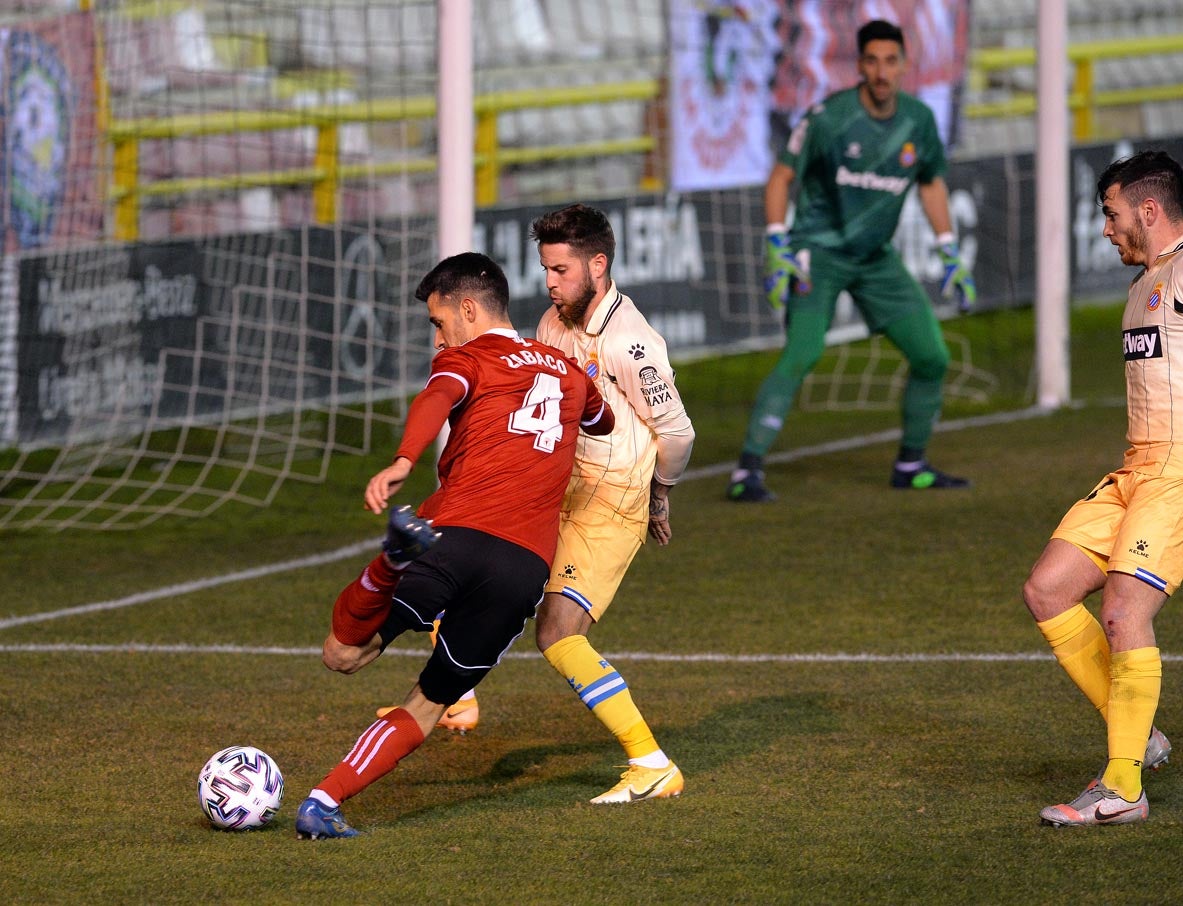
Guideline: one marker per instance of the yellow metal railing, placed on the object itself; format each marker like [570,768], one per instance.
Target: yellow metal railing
[1083,99]
[327,172]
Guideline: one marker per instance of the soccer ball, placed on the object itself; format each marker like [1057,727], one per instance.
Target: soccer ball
[240,788]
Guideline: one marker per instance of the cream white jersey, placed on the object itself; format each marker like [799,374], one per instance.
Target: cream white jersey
[627,360]
[1152,342]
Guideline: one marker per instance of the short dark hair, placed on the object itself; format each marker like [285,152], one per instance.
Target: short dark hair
[880,30]
[468,274]
[1147,174]
[586,229]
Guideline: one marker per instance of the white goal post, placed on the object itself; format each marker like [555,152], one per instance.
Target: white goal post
[1052,363]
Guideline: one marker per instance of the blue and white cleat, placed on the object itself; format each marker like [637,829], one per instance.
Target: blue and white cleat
[315,820]
[407,536]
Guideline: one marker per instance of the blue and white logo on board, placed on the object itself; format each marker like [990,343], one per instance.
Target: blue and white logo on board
[37,136]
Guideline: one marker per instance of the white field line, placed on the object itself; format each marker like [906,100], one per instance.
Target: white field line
[182,588]
[836,658]
[803,658]
[869,440]
[353,550]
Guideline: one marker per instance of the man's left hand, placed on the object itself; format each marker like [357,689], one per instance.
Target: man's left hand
[957,277]
[659,518]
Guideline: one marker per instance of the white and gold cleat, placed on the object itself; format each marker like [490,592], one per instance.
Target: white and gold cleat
[638,783]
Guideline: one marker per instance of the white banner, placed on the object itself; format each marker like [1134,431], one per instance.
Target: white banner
[735,66]
[821,53]
[722,61]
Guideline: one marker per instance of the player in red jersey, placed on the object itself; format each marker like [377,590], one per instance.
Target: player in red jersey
[515,407]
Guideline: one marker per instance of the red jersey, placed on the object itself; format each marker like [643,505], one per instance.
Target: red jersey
[515,408]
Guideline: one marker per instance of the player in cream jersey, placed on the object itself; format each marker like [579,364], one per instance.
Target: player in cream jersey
[618,487]
[1125,538]
[1152,342]
[627,359]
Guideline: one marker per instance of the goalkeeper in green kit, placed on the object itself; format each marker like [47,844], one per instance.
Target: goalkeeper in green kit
[856,155]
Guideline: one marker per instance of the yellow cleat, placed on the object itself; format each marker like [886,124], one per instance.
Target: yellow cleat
[638,783]
[461,717]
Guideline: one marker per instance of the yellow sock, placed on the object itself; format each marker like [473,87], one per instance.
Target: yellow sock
[1135,685]
[1079,644]
[604,691]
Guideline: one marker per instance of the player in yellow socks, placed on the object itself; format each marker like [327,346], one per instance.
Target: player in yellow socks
[619,489]
[1124,538]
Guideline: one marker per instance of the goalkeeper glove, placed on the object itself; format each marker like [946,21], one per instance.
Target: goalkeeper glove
[957,276]
[781,267]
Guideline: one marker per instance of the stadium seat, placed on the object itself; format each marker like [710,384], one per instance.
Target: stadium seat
[510,33]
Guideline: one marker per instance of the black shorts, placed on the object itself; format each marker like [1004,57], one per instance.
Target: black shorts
[486,589]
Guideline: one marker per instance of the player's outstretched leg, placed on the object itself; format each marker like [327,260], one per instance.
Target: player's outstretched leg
[377,752]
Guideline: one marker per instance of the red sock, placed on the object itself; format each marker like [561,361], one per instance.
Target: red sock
[364,603]
[376,753]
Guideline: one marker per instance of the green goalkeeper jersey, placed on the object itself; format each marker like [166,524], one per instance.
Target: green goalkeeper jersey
[854,171]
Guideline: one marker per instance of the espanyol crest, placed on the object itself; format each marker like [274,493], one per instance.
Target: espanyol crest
[37,136]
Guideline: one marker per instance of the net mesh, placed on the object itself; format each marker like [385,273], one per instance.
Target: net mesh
[309,358]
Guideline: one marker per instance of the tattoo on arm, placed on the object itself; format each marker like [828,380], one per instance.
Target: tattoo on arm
[659,507]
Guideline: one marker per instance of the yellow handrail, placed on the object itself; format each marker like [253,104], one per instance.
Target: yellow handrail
[328,172]
[1083,100]
[994,58]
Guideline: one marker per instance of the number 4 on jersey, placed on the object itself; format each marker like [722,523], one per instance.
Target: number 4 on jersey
[539,413]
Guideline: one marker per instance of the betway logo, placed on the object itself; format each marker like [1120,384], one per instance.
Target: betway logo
[1141,343]
[896,185]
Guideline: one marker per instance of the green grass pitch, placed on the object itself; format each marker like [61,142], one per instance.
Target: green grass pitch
[861,705]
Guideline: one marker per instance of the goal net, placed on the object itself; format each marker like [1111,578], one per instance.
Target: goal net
[237,321]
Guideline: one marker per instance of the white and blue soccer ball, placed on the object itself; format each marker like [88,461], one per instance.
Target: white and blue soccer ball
[240,788]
